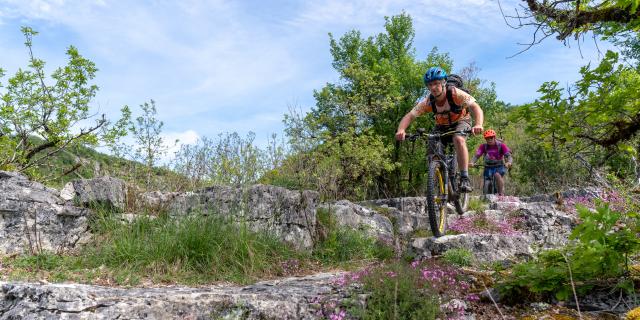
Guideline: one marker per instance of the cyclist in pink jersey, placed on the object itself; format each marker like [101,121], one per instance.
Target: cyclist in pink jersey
[497,156]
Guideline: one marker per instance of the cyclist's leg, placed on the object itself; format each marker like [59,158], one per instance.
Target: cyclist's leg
[499,174]
[499,183]
[462,155]
[460,143]
[486,181]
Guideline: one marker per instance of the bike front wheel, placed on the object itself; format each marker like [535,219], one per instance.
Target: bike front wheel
[436,195]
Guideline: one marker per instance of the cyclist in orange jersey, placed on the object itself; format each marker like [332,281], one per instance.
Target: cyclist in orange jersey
[452,107]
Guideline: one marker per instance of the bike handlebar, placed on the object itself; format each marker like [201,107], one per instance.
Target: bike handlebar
[422,132]
[489,165]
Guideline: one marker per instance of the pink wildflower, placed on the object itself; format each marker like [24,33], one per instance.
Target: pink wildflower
[339,316]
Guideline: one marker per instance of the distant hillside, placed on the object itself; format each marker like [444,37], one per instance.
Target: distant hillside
[85,163]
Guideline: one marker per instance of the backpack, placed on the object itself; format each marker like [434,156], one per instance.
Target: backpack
[453,80]
[500,148]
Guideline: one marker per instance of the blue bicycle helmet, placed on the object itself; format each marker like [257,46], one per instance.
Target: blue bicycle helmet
[434,73]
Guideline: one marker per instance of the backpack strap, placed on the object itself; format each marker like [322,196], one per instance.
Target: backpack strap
[455,108]
[500,148]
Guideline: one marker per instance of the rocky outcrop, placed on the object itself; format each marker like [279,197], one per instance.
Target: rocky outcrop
[351,215]
[290,215]
[291,298]
[407,214]
[484,247]
[33,217]
[103,191]
[589,192]
[542,222]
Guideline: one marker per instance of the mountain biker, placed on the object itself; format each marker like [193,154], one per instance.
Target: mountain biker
[446,120]
[496,156]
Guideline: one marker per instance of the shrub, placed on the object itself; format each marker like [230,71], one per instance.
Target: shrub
[602,245]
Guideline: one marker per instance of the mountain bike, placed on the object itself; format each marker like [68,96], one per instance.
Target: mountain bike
[443,178]
[489,185]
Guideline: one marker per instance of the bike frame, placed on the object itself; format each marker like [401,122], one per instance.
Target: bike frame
[491,180]
[445,154]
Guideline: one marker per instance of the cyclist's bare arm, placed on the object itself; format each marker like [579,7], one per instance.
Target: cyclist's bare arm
[478,117]
[404,124]
[420,108]
[466,100]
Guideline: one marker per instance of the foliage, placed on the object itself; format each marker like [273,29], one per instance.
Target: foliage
[477,205]
[544,169]
[39,119]
[148,147]
[397,292]
[351,128]
[342,244]
[575,17]
[191,248]
[229,160]
[597,122]
[604,241]
[459,256]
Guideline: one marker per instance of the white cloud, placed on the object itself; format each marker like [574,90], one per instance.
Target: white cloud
[174,140]
[216,65]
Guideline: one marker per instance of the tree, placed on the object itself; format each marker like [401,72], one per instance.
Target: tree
[380,81]
[597,119]
[229,160]
[150,145]
[40,118]
[575,17]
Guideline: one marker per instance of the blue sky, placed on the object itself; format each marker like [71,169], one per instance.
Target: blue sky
[222,66]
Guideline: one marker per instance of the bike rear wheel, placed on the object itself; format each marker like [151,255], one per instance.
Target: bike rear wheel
[461,203]
[436,195]
[489,185]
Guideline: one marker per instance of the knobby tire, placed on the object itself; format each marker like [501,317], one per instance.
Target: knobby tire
[436,195]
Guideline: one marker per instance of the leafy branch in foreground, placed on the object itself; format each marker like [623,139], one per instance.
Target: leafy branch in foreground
[39,119]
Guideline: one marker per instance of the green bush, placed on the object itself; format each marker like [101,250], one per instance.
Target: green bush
[603,244]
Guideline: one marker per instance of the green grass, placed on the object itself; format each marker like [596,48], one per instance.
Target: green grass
[477,205]
[193,249]
[342,244]
[459,256]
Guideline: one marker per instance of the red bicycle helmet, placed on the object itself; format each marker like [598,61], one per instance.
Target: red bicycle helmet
[489,133]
